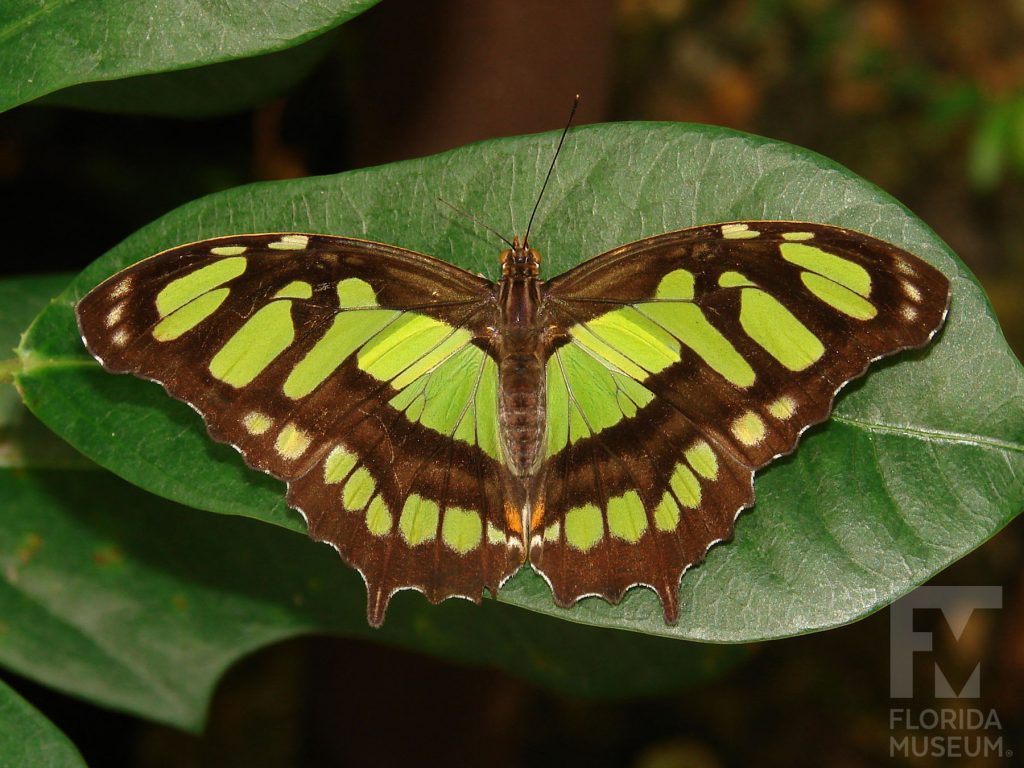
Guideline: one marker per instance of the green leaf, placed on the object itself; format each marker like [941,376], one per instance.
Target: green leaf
[23,440]
[214,90]
[920,464]
[134,602]
[28,738]
[20,301]
[46,45]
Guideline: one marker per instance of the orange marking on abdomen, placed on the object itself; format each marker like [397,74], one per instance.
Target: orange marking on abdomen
[512,519]
[538,516]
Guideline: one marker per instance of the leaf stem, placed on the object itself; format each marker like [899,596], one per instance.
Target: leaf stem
[8,369]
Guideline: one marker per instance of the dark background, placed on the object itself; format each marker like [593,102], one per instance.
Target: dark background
[923,97]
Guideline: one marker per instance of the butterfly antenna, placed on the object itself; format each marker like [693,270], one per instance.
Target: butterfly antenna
[575,103]
[477,221]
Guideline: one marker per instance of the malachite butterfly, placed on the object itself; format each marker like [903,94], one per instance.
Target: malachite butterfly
[441,430]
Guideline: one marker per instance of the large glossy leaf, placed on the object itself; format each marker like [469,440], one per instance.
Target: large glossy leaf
[46,45]
[921,462]
[28,738]
[134,602]
[23,440]
[218,89]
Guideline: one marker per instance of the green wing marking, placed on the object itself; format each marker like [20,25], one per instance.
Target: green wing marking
[688,361]
[318,358]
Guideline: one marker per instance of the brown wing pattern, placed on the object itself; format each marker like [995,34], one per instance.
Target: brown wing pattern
[356,372]
[737,338]
[294,348]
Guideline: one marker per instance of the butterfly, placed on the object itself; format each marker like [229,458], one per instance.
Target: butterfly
[441,430]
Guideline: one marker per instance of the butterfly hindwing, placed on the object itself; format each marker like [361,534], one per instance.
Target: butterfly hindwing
[688,361]
[345,368]
[634,504]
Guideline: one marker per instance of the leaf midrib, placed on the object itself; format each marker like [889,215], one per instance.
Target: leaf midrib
[933,435]
[19,24]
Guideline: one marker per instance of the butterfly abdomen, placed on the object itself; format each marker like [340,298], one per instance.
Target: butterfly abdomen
[521,415]
[521,368]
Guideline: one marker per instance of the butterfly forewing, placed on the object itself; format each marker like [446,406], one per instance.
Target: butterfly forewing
[346,368]
[690,360]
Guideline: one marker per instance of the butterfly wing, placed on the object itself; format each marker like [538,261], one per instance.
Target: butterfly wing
[346,368]
[690,360]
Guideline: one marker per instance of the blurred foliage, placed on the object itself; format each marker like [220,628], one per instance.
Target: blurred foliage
[939,72]
[997,147]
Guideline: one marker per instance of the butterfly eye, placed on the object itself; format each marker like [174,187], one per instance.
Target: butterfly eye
[535,255]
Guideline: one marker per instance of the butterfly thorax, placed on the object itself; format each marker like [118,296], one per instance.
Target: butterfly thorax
[520,351]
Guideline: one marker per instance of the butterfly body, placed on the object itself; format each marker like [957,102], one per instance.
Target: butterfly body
[440,429]
[518,345]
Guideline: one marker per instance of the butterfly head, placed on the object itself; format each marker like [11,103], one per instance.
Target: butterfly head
[520,261]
